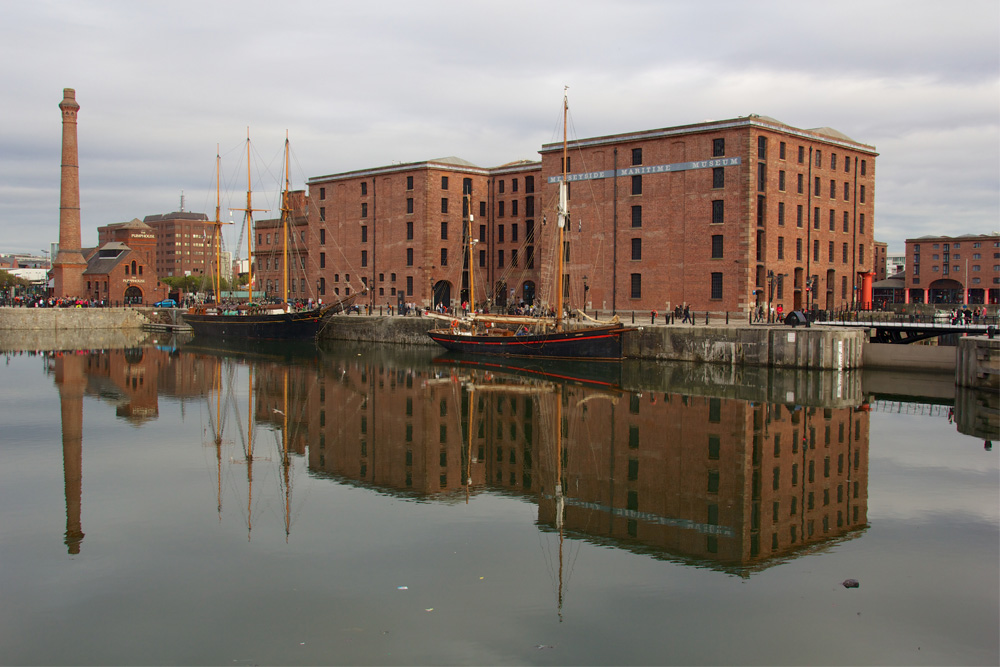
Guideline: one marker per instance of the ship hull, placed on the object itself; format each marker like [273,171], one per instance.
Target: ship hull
[586,343]
[279,326]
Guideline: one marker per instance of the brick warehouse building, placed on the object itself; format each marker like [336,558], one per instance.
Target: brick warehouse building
[720,216]
[953,269]
[184,243]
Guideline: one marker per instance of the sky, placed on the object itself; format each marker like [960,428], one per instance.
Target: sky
[360,85]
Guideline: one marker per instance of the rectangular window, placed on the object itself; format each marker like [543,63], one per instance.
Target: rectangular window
[798,216]
[364,188]
[500,258]
[717,285]
[781,214]
[322,260]
[801,185]
[781,247]
[636,286]
[847,191]
[816,186]
[409,205]
[409,183]
[322,213]
[444,257]
[847,221]
[798,250]
[364,209]
[482,258]
[761,177]
[863,167]
[529,206]
[861,223]
[322,236]
[637,184]
[444,231]
[716,246]
[529,184]
[761,148]
[513,208]
[833,160]
[513,257]
[802,154]
[529,257]
[833,220]
[781,150]
[781,180]
[409,231]
[829,252]
[718,211]
[861,195]
[482,233]
[816,250]
[833,189]
[816,217]
[861,254]
[513,185]
[819,158]
[501,186]
[409,256]
[409,285]
[500,234]
[444,182]
[364,258]
[322,194]
[513,233]
[444,204]
[364,233]
[718,147]
[718,177]
[636,156]
[844,258]
[636,249]
[637,216]
[500,209]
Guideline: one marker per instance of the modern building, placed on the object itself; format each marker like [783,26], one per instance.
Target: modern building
[721,216]
[953,269]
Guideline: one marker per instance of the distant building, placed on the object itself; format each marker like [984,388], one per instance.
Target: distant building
[881,266]
[184,243]
[953,269]
[119,275]
[895,264]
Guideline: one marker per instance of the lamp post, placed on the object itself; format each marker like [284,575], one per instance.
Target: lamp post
[586,288]
[770,293]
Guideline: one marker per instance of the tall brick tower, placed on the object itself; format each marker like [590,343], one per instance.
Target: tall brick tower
[68,266]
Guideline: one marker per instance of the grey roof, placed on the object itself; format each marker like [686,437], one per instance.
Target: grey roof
[107,257]
[177,215]
[830,132]
[453,160]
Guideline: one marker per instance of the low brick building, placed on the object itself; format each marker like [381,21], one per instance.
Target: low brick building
[118,275]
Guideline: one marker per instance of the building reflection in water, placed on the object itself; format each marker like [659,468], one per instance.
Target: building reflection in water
[716,481]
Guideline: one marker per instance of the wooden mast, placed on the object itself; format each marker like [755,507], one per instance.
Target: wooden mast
[248,218]
[562,220]
[285,214]
[472,291]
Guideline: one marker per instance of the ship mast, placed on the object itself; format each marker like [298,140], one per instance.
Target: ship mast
[562,220]
[472,291]
[285,214]
[248,219]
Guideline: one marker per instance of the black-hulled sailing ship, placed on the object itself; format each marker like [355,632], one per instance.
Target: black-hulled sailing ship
[262,321]
[524,336]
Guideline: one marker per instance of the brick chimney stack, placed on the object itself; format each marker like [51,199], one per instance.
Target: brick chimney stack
[69,265]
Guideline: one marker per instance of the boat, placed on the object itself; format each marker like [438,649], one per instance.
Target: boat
[260,321]
[538,337]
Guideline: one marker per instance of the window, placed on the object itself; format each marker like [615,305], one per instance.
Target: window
[819,158]
[409,230]
[513,185]
[636,249]
[364,258]
[482,233]
[322,236]
[716,246]
[500,258]
[781,247]
[501,186]
[847,191]
[718,177]
[444,204]
[833,160]
[513,233]
[718,147]
[637,216]
[364,233]
[781,214]
[802,154]
[861,253]
[513,208]
[409,204]
[500,209]
[761,148]
[322,214]
[529,206]
[364,188]
[798,250]
[364,210]
[409,256]
[444,182]
[567,164]
[513,257]
[816,217]
[844,257]
[833,220]
[829,252]
[781,180]
[529,184]
[816,187]
[718,211]
[636,156]
[717,285]
[636,286]
[847,221]
[500,234]
[637,184]
[444,231]
[409,285]
[322,193]
[816,250]
[801,180]
[482,258]
[761,177]
[444,257]
[861,223]
[863,167]
[781,150]
[409,183]
[833,189]
[861,195]
[529,259]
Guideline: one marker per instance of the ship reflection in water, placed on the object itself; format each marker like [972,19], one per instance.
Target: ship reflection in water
[704,475]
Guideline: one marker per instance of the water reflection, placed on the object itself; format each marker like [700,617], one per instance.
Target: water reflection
[701,475]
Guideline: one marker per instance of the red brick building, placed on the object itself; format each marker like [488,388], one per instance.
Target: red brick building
[722,216]
[953,269]
[184,243]
[118,275]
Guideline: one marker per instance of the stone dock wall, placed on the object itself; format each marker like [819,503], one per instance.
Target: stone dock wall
[54,319]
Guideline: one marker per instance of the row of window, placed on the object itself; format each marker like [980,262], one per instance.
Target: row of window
[845,248]
[817,156]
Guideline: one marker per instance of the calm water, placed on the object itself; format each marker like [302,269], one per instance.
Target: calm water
[186,505]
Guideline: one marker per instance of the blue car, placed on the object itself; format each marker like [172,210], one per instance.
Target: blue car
[166,303]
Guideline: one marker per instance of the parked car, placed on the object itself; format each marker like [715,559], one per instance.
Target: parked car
[166,303]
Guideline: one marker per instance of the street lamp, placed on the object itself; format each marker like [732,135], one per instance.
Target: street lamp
[770,292]
[586,288]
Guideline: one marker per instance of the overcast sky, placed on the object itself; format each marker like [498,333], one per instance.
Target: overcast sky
[365,84]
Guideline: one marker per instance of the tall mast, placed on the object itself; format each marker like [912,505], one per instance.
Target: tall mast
[472,291]
[248,219]
[562,217]
[285,214]
[217,232]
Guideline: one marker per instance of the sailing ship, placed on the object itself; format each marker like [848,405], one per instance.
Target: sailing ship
[540,337]
[260,320]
